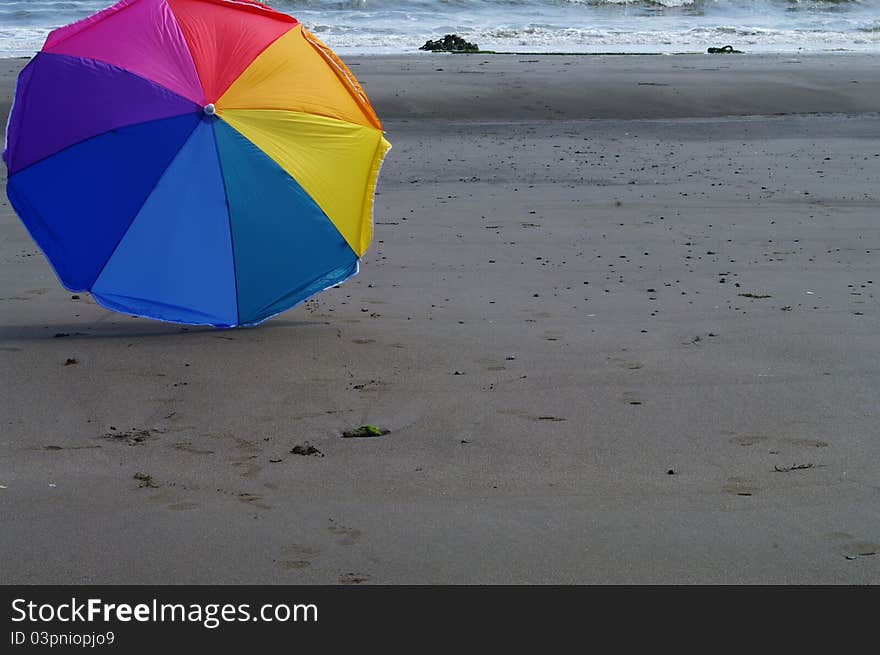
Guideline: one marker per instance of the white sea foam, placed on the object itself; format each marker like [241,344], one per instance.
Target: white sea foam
[401,26]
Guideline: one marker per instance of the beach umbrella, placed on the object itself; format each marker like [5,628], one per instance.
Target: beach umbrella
[196,161]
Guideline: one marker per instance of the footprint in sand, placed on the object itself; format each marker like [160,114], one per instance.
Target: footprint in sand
[302,551]
[248,450]
[748,440]
[182,507]
[740,487]
[187,447]
[353,578]
[625,364]
[491,364]
[754,439]
[250,470]
[292,564]
[806,443]
[296,557]
[349,535]
[246,446]
[254,500]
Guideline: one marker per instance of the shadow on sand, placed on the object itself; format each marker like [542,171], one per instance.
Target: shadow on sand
[139,329]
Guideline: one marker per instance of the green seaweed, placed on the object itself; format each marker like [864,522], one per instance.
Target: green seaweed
[365,431]
[145,480]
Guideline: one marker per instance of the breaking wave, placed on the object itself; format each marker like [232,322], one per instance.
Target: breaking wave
[398,26]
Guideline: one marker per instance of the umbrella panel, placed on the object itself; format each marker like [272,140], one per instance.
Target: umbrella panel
[286,249]
[292,75]
[335,162]
[225,38]
[94,97]
[175,261]
[141,36]
[99,186]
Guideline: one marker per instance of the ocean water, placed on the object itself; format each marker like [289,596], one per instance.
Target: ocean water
[401,26]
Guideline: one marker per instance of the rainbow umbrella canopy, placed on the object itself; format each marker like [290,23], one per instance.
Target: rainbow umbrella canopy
[196,161]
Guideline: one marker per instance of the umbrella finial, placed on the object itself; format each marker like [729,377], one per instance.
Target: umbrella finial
[210,110]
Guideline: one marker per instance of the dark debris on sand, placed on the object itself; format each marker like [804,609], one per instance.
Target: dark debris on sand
[145,480]
[450,43]
[725,50]
[305,448]
[133,437]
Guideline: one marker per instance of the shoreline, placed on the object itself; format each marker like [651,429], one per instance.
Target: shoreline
[747,50]
[524,87]
[832,52]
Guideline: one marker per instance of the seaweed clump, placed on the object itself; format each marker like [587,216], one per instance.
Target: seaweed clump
[365,431]
[145,481]
[725,50]
[450,43]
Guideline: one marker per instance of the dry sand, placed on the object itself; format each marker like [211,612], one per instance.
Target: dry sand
[551,322]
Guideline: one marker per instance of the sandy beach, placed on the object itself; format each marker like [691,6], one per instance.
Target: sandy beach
[620,316]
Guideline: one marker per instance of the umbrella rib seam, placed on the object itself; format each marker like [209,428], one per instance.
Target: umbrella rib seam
[79,143]
[141,208]
[124,70]
[257,56]
[196,66]
[189,51]
[93,136]
[292,177]
[229,219]
[302,112]
[348,81]
[298,183]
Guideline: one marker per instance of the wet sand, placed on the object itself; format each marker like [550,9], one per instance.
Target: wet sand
[620,317]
